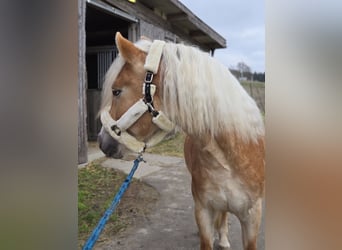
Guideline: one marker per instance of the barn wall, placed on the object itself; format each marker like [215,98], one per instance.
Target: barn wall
[152,31]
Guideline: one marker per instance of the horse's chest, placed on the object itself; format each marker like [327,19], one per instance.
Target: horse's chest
[214,182]
[224,192]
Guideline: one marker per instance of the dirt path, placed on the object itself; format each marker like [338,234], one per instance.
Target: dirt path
[171,224]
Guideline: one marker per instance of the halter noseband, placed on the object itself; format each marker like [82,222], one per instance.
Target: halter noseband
[117,129]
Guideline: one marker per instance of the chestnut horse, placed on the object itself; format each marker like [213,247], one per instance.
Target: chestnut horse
[152,87]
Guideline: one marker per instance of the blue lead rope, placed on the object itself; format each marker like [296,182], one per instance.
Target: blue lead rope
[97,231]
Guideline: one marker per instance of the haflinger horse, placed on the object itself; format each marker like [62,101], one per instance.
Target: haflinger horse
[153,86]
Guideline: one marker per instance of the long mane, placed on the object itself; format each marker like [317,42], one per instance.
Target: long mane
[199,94]
[202,96]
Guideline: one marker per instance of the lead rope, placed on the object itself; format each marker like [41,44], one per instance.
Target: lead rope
[97,231]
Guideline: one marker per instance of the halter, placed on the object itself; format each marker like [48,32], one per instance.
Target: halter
[117,129]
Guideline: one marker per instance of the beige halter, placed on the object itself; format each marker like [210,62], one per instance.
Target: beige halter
[117,129]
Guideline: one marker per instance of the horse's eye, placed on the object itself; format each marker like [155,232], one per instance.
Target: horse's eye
[116,92]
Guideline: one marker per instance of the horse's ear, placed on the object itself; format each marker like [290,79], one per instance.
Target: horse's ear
[126,48]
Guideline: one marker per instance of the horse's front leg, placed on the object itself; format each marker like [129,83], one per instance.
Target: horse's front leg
[205,223]
[250,226]
[221,224]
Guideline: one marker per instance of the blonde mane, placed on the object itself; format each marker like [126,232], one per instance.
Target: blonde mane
[199,94]
[202,96]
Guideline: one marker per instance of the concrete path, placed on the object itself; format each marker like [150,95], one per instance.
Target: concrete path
[171,226]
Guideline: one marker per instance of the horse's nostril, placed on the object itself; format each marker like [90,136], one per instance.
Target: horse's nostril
[109,146]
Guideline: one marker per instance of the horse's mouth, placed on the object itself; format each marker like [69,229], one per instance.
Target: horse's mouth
[110,153]
[109,146]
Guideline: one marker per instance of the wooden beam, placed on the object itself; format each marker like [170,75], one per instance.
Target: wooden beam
[177,17]
[197,33]
[211,45]
[82,85]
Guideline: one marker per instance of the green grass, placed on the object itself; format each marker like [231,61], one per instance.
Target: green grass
[255,84]
[97,187]
[171,147]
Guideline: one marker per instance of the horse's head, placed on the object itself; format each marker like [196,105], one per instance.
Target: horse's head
[126,91]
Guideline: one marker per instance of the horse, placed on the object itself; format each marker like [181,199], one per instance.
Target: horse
[153,87]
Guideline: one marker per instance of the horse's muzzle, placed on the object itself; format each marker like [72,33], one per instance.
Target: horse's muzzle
[109,146]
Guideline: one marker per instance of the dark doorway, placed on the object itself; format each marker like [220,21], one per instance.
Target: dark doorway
[101,27]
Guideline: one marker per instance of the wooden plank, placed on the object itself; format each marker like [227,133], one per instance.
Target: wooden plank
[177,17]
[197,33]
[82,85]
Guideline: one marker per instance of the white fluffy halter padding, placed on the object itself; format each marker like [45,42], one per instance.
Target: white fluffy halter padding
[154,55]
[127,120]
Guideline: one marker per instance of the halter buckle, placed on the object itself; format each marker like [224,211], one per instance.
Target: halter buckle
[148,77]
[151,109]
[116,130]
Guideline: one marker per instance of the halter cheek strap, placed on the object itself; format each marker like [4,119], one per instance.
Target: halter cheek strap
[117,129]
